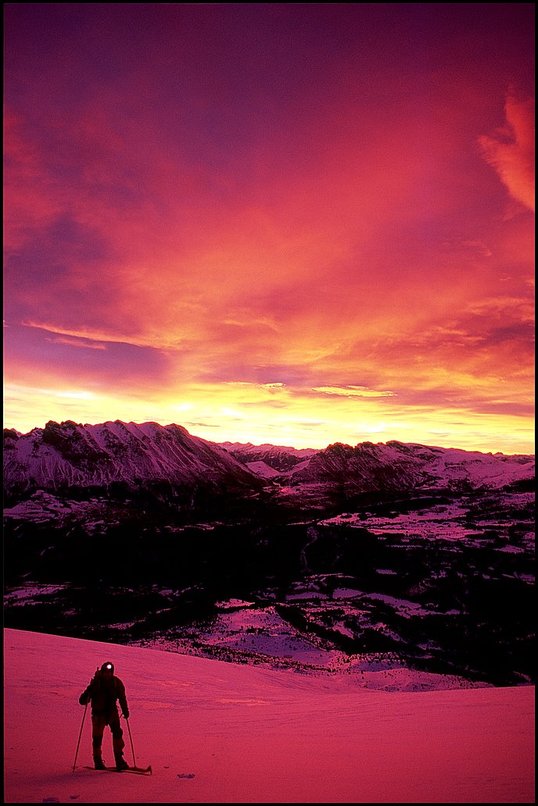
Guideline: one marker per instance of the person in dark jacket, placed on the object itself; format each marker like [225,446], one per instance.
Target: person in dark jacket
[103,692]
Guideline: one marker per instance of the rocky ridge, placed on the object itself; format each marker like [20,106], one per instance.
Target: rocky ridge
[70,455]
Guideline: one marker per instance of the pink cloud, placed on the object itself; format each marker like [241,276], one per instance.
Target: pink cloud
[90,345]
[510,150]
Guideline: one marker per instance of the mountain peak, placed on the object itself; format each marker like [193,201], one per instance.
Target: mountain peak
[70,454]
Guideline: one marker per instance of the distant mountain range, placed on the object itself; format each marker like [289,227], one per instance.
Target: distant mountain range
[67,456]
[390,467]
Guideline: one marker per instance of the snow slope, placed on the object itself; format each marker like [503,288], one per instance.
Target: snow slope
[217,732]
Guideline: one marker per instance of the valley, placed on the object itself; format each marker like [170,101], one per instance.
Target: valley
[438,584]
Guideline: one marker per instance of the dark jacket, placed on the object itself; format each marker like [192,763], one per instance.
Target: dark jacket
[103,694]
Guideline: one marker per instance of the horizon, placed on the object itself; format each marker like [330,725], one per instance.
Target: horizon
[243,443]
[285,224]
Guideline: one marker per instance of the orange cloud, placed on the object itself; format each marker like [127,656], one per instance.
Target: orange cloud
[510,150]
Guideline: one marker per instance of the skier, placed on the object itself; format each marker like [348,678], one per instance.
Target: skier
[103,691]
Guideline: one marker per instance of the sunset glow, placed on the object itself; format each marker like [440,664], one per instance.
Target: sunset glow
[285,223]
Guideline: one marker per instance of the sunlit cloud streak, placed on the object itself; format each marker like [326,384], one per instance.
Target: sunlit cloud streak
[510,150]
[81,343]
[351,391]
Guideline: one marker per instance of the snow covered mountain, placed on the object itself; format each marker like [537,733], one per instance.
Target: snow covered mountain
[269,461]
[68,456]
[341,474]
[396,466]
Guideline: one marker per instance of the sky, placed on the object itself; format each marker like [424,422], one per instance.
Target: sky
[268,222]
[217,732]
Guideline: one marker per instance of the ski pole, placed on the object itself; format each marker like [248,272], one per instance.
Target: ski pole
[131,740]
[79,736]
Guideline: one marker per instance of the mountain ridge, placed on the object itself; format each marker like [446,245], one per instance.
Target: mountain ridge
[251,446]
[69,455]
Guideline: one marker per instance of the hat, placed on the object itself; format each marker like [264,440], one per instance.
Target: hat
[107,667]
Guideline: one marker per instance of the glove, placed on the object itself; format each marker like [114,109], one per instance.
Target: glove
[83,699]
[125,714]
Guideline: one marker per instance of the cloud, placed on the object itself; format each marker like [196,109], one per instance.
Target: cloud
[510,150]
[91,345]
[352,391]
[271,249]
[95,338]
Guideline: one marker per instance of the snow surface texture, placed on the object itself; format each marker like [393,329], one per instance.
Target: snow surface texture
[217,732]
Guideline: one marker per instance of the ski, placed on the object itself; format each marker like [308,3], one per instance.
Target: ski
[136,770]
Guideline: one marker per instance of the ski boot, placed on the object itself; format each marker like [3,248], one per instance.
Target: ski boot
[121,764]
[98,763]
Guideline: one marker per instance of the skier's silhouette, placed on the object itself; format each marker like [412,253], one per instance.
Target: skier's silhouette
[103,692]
